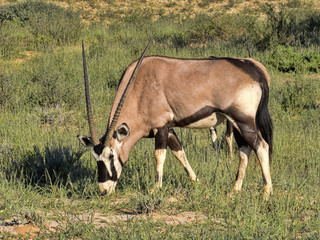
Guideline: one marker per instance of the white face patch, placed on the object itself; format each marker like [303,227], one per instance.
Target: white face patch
[110,159]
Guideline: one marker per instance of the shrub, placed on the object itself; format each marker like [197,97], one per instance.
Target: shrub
[138,16]
[289,59]
[148,203]
[45,22]
[55,164]
[6,90]
[298,95]
[55,115]
[294,23]
[206,3]
[52,80]
[13,38]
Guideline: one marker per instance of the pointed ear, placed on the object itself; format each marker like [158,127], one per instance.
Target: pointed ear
[122,132]
[85,141]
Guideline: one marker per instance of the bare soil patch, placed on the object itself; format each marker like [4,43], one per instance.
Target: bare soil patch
[30,230]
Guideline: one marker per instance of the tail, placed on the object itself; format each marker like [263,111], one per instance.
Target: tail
[263,118]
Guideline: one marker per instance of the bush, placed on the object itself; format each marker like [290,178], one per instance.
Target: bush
[39,24]
[52,80]
[13,38]
[289,59]
[298,95]
[203,29]
[138,16]
[6,90]
[294,23]
[55,164]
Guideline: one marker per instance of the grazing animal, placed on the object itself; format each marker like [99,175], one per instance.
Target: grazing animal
[157,94]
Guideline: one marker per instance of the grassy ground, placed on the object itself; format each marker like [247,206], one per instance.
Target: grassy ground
[48,182]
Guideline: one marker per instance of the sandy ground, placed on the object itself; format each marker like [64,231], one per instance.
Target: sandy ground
[30,230]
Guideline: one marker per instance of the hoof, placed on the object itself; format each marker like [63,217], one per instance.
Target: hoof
[215,146]
[195,180]
[154,189]
[233,193]
[267,193]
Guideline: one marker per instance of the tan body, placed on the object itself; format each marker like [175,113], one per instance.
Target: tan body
[191,93]
[156,98]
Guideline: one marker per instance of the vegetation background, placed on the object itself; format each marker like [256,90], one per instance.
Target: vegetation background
[48,181]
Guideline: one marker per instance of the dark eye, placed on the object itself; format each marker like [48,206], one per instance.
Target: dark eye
[111,157]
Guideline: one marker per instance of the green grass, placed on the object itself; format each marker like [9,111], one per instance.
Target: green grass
[46,176]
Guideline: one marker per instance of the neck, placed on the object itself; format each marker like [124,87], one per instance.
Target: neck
[128,144]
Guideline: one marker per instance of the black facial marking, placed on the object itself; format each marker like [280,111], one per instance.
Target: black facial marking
[121,162]
[113,168]
[98,149]
[102,172]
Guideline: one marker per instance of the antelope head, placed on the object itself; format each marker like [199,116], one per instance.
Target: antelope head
[106,149]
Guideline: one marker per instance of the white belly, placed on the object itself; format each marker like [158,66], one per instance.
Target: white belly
[211,121]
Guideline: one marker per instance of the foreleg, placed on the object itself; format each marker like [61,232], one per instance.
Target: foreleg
[179,153]
[161,143]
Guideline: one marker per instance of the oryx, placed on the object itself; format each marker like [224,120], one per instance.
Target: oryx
[157,94]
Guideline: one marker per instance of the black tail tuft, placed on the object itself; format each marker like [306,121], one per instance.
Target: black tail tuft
[263,118]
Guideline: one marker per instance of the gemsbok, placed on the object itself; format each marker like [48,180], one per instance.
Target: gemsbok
[157,94]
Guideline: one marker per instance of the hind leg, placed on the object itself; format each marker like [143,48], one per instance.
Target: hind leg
[178,152]
[244,152]
[214,138]
[229,134]
[253,138]
[263,155]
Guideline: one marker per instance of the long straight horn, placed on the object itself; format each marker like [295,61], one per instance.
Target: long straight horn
[112,126]
[95,139]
